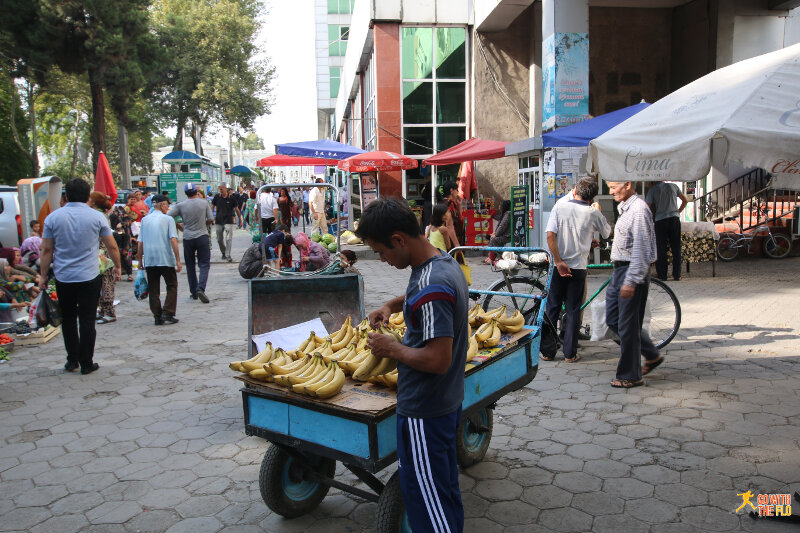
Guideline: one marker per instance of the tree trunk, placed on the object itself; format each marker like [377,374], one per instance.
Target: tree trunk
[197,136]
[34,157]
[74,163]
[98,118]
[178,144]
[124,156]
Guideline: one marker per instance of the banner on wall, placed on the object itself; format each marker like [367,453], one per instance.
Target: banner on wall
[565,79]
[519,216]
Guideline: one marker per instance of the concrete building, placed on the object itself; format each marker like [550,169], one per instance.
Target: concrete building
[420,76]
[332,30]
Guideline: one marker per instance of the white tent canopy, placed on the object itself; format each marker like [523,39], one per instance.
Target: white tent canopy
[754,105]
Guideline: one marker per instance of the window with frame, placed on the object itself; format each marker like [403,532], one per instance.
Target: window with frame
[335,74]
[434,88]
[337,39]
[370,137]
[340,6]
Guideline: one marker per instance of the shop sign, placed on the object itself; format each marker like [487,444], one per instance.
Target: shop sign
[519,216]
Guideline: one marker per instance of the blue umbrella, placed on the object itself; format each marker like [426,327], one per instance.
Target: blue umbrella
[582,133]
[241,170]
[321,148]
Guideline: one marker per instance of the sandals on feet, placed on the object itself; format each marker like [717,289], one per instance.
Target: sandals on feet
[572,359]
[626,383]
[649,366]
[546,358]
[106,319]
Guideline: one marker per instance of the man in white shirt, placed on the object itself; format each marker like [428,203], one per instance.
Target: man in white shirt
[570,228]
[158,254]
[316,202]
[269,211]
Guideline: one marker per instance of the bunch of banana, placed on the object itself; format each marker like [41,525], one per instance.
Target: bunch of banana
[488,335]
[254,362]
[361,345]
[364,326]
[352,361]
[372,365]
[338,355]
[393,332]
[311,368]
[323,350]
[511,324]
[483,318]
[397,321]
[472,348]
[475,311]
[326,386]
[304,347]
[343,337]
[388,379]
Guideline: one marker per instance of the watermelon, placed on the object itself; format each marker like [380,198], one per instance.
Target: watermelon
[328,238]
[332,247]
[316,237]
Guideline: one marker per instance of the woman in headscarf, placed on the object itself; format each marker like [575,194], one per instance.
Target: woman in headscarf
[250,216]
[30,251]
[106,314]
[313,255]
[15,284]
[285,207]
[12,255]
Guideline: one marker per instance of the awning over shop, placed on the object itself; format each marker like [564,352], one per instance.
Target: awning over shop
[582,133]
[469,150]
[278,160]
[324,148]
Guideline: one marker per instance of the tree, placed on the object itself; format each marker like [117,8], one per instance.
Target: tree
[213,76]
[251,141]
[15,164]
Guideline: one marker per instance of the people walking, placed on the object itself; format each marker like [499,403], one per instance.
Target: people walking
[268,206]
[316,201]
[570,230]
[661,199]
[105,314]
[306,194]
[227,213]
[196,215]
[158,254]
[71,243]
[632,252]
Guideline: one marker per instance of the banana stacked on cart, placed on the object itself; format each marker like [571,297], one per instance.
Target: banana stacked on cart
[318,367]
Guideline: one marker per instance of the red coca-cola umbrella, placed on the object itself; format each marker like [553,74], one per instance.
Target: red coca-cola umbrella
[377,161]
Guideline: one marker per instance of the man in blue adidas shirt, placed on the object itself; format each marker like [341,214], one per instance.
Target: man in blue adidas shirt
[430,363]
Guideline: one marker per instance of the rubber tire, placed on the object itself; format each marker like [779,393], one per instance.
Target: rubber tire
[530,287]
[471,445]
[782,246]
[391,510]
[726,255]
[276,463]
[663,287]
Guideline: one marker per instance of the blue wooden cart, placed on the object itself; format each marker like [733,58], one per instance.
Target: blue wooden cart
[308,436]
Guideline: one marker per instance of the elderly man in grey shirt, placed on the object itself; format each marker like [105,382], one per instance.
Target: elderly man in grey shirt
[633,251]
[196,215]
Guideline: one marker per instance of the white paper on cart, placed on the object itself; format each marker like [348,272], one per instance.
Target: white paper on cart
[289,338]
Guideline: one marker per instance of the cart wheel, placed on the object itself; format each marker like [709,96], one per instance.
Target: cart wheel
[474,434]
[391,511]
[285,489]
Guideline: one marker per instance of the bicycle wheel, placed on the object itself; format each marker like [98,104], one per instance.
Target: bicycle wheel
[778,246]
[520,285]
[727,249]
[665,313]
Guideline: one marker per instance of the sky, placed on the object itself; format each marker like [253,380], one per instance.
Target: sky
[289,41]
[287,36]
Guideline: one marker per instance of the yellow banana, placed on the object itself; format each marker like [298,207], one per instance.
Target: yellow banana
[472,348]
[287,368]
[390,379]
[348,350]
[323,376]
[483,332]
[304,369]
[346,339]
[494,338]
[511,324]
[362,342]
[493,313]
[257,361]
[384,365]
[260,374]
[310,374]
[472,316]
[365,368]
[236,366]
[331,388]
[303,347]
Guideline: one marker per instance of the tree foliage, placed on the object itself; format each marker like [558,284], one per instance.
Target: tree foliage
[14,165]
[251,141]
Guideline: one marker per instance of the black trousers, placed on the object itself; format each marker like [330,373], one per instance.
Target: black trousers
[668,233]
[569,293]
[154,275]
[625,317]
[197,251]
[78,303]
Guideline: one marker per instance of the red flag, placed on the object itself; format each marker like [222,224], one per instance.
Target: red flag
[103,181]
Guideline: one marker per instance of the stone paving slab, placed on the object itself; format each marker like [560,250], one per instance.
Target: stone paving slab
[154,440]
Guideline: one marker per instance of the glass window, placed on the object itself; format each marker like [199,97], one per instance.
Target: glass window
[451,53]
[417,102]
[450,103]
[417,141]
[344,32]
[337,39]
[449,137]
[335,77]
[340,6]
[417,53]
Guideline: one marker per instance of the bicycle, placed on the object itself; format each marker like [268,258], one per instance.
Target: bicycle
[664,308]
[775,245]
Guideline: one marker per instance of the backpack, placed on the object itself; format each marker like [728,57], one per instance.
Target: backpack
[250,266]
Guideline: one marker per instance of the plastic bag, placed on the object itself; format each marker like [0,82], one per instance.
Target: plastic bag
[140,286]
[600,329]
[32,311]
[48,312]
[250,266]
[459,257]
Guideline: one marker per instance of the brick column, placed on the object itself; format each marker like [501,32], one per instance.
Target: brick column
[387,61]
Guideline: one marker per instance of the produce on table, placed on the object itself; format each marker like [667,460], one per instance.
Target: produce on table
[332,247]
[316,237]
[353,240]
[5,339]
[328,238]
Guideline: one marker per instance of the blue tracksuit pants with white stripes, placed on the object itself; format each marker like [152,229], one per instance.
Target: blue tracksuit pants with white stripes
[426,454]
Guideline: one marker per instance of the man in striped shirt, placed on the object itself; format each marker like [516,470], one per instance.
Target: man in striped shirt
[633,251]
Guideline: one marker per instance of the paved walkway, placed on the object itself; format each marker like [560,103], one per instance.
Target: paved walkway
[154,440]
